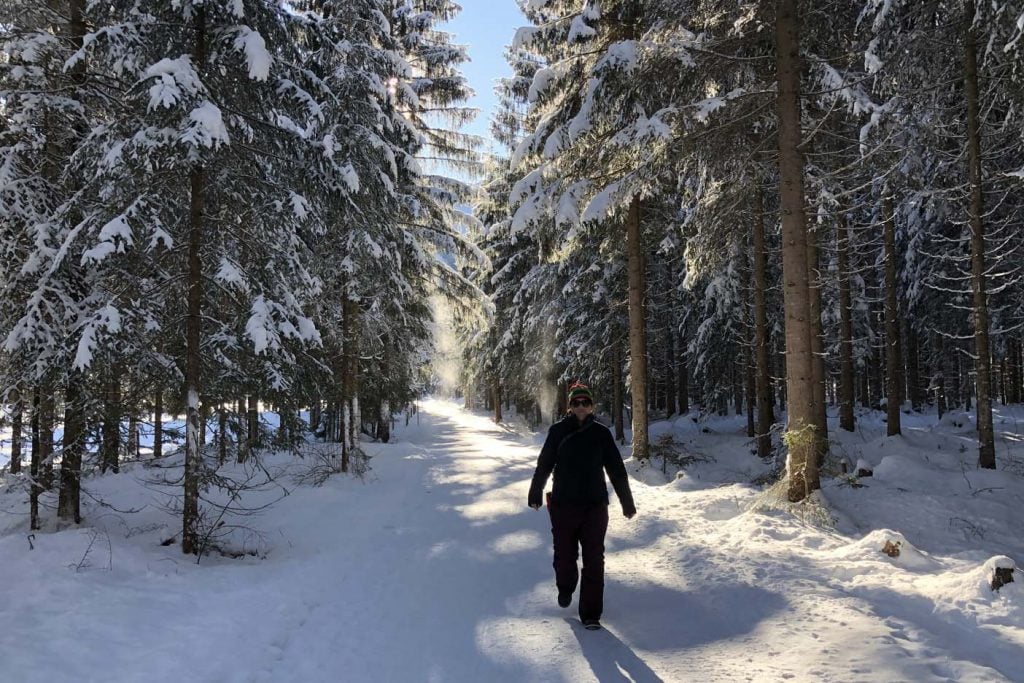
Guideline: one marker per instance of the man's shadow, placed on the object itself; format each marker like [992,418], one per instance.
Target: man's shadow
[610,659]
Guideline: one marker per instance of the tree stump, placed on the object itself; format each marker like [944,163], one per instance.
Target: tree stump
[1002,576]
[892,549]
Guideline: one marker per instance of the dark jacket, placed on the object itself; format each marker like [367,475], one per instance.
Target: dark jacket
[580,455]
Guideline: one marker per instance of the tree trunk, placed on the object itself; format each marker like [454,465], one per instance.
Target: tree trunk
[241,430]
[637,331]
[1019,375]
[684,380]
[204,417]
[751,383]
[913,374]
[817,348]
[964,384]
[222,435]
[133,435]
[877,355]
[35,466]
[252,424]
[671,386]
[348,383]
[1013,387]
[47,419]
[956,373]
[620,429]
[68,502]
[939,379]
[354,414]
[846,377]
[892,322]
[384,422]
[496,384]
[315,413]
[110,457]
[863,381]
[737,381]
[73,445]
[1003,384]
[801,439]
[747,345]
[190,530]
[765,413]
[158,424]
[986,434]
[16,413]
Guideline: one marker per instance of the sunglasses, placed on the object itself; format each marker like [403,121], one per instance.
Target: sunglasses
[577,402]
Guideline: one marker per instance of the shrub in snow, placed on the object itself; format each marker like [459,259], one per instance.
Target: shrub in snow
[957,420]
[1002,571]
[674,454]
[863,468]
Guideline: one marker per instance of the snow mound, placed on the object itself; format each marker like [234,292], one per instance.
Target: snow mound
[969,595]
[893,467]
[902,553]
[957,422]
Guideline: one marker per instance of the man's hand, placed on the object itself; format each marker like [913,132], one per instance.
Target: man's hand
[535,506]
[629,514]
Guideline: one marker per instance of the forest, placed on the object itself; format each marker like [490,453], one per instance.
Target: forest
[777,209]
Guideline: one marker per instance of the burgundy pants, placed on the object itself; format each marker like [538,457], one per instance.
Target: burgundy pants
[574,527]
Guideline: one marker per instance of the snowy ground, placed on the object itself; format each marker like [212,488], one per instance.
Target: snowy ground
[433,569]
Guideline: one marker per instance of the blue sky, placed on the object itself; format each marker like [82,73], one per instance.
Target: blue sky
[486,27]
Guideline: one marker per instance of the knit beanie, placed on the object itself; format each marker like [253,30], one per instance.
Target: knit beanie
[580,390]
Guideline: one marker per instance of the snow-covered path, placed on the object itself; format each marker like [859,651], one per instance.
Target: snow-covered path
[445,578]
[434,569]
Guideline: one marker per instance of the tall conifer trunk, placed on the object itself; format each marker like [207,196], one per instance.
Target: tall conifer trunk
[241,431]
[133,435]
[846,376]
[347,406]
[671,386]
[35,467]
[16,426]
[986,434]
[190,541]
[222,434]
[111,449]
[620,430]
[748,347]
[1019,366]
[637,330]
[252,423]
[1012,372]
[765,413]
[68,502]
[73,445]
[496,391]
[892,323]
[158,424]
[684,380]
[802,468]
[817,347]
[913,365]
[47,418]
